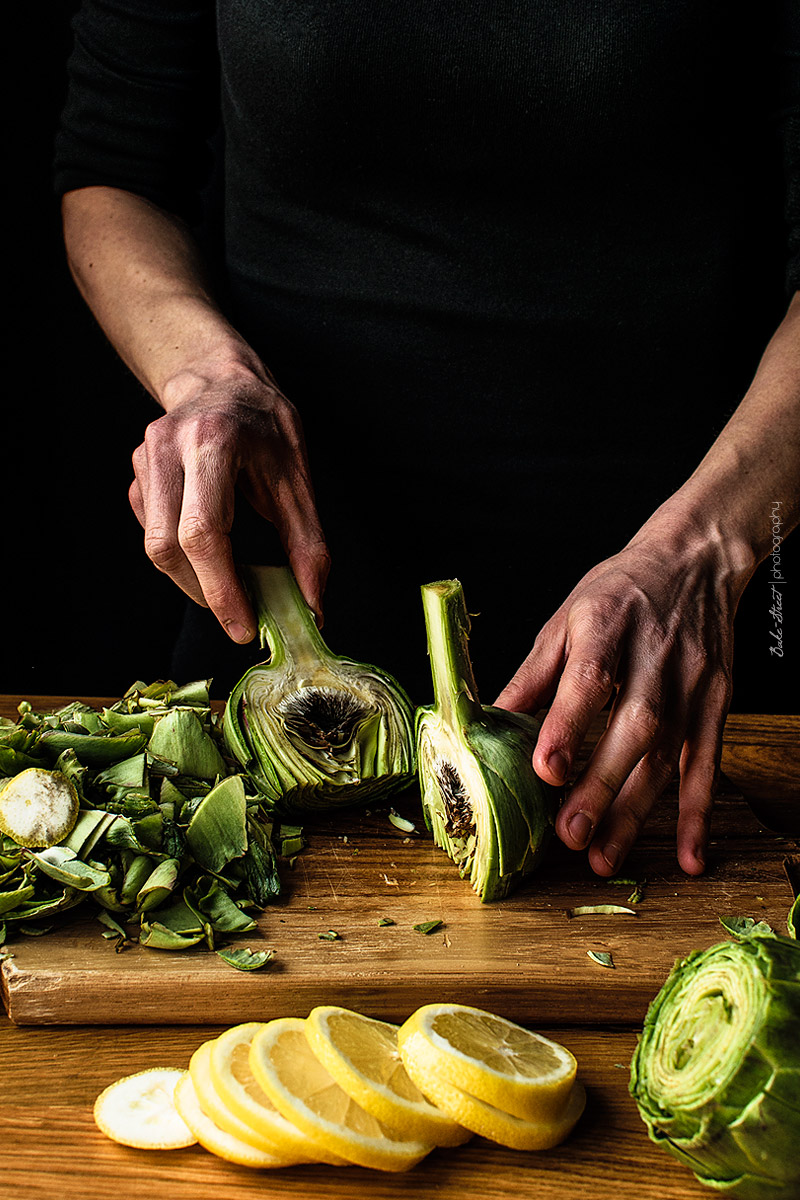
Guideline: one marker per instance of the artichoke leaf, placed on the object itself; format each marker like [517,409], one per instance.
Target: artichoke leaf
[217,831]
[92,750]
[179,738]
[65,867]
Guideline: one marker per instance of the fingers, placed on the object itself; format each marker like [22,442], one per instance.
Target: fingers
[292,509]
[156,496]
[667,659]
[630,766]
[699,769]
[536,680]
[183,495]
[611,801]
[585,686]
[203,531]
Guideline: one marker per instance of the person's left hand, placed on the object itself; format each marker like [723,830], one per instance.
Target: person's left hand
[652,624]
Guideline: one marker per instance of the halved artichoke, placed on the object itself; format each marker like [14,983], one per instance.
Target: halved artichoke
[311,728]
[481,797]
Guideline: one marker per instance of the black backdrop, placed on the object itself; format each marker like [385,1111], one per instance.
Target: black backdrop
[82,610]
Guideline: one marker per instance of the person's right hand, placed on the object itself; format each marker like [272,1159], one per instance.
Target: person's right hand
[219,435]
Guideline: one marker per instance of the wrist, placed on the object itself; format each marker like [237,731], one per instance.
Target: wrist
[680,532]
[226,374]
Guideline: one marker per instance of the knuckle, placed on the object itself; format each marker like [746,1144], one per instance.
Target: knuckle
[594,673]
[198,537]
[662,761]
[642,716]
[162,549]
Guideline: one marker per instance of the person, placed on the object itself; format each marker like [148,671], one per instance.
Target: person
[480,290]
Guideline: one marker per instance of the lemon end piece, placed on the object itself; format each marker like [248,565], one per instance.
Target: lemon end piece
[139,1110]
[38,808]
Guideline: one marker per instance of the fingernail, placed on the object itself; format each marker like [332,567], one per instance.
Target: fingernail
[558,765]
[238,632]
[612,853]
[580,828]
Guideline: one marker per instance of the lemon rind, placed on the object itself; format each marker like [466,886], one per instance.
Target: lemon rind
[382,1154]
[414,1120]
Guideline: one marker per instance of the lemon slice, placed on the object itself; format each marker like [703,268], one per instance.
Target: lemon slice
[488,1057]
[38,808]
[140,1111]
[305,1092]
[503,1127]
[209,1134]
[241,1093]
[362,1056]
[215,1108]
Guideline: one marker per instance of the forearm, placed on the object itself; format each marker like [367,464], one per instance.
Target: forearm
[142,275]
[753,465]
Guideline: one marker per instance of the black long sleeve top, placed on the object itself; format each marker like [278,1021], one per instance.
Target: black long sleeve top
[514,263]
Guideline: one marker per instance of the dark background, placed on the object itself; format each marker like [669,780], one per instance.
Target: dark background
[82,610]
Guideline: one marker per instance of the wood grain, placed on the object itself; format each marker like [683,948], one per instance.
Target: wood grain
[52,1076]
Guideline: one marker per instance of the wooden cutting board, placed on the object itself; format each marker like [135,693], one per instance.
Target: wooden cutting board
[523,957]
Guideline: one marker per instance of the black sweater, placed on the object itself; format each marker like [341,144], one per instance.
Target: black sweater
[514,263]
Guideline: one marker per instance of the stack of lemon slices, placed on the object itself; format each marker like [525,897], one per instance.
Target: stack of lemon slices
[341,1088]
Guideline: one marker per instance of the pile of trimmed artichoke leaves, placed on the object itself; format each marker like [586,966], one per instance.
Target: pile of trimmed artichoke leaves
[172,820]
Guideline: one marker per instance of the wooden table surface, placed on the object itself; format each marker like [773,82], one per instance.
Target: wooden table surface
[52,1074]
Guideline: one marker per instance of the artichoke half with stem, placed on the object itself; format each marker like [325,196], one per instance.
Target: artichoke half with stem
[314,729]
[482,800]
[716,1072]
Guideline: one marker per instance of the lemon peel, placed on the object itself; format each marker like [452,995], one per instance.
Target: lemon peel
[307,1094]
[214,1139]
[240,1091]
[490,1058]
[499,1126]
[361,1054]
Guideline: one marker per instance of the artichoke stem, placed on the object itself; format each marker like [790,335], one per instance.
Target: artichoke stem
[286,624]
[454,689]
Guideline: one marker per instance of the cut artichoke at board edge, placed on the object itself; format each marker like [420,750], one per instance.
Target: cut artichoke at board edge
[314,729]
[716,1073]
[482,800]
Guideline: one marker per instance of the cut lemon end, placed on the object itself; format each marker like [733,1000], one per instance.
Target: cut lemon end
[139,1110]
[307,1094]
[38,807]
[361,1055]
[216,1110]
[489,1057]
[241,1093]
[504,1127]
[218,1141]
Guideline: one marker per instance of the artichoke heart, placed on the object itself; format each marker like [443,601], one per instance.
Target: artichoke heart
[482,800]
[716,1073]
[311,728]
